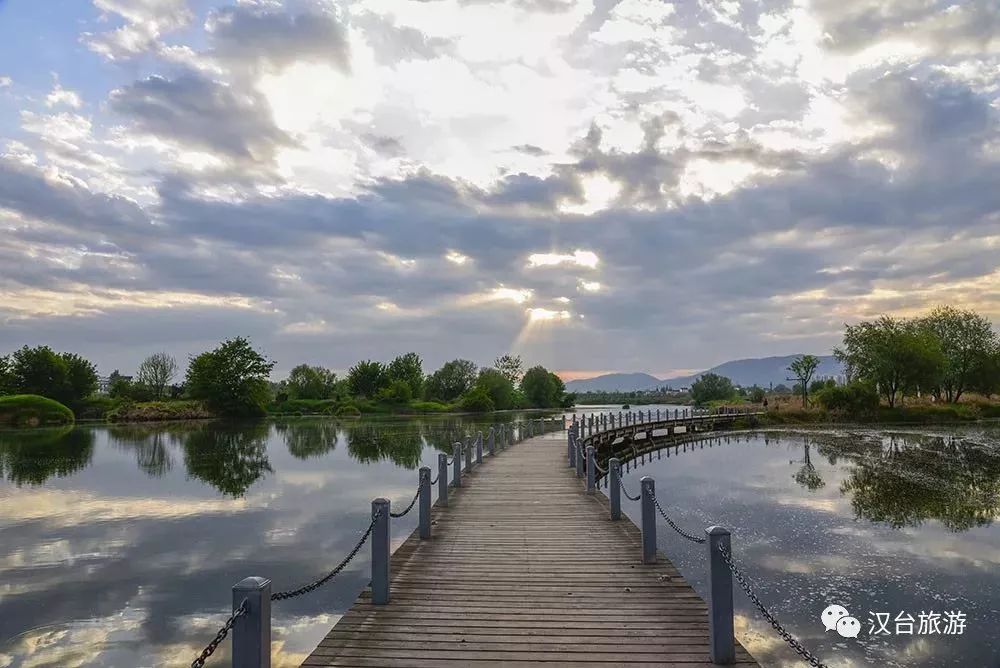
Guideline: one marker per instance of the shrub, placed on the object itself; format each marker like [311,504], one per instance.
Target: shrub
[429,407]
[158,411]
[348,411]
[31,410]
[856,398]
[476,400]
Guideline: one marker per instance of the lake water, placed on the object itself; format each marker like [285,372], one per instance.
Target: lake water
[878,521]
[118,545]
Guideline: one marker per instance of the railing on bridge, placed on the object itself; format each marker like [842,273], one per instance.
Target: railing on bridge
[250,623]
[722,565]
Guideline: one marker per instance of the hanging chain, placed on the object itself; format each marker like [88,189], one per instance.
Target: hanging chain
[292,593]
[785,635]
[690,537]
[621,484]
[220,636]
[409,507]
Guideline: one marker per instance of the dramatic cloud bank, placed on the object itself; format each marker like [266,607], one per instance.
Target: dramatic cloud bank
[594,184]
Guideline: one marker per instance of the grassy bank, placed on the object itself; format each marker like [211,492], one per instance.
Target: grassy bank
[158,411]
[31,410]
[917,414]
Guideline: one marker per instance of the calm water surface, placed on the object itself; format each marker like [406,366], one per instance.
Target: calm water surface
[118,545]
[889,521]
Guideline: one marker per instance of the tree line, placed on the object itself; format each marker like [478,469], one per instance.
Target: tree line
[234,379]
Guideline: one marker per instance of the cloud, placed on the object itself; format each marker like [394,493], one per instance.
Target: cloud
[145,22]
[245,35]
[202,113]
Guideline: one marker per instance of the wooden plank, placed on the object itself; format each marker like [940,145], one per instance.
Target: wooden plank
[524,568]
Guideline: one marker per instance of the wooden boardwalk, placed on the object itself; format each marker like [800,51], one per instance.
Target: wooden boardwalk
[524,567]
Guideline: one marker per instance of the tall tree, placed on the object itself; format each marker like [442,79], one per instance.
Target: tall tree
[451,380]
[409,369]
[6,380]
[510,366]
[311,382]
[366,378]
[541,388]
[898,356]
[967,340]
[803,369]
[232,379]
[40,371]
[711,387]
[81,377]
[156,372]
[498,386]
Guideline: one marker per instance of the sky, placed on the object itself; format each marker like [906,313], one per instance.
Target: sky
[596,185]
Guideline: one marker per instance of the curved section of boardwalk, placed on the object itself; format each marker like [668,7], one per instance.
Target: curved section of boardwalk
[525,568]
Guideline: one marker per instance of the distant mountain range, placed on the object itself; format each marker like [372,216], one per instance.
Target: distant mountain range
[766,371]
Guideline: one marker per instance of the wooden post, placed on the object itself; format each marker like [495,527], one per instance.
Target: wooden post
[479,449]
[380,552]
[647,491]
[579,460]
[443,480]
[468,454]
[614,487]
[571,447]
[492,440]
[424,501]
[456,465]
[591,470]
[720,598]
[252,631]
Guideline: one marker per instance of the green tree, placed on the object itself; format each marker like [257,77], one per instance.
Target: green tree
[6,379]
[510,366]
[156,372]
[311,382]
[541,388]
[38,371]
[756,394]
[803,368]
[409,369]
[897,356]
[711,387]
[967,340]
[498,386]
[366,378]
[398,392]
[232,379]
[451,380]
[81,378]
[477,400]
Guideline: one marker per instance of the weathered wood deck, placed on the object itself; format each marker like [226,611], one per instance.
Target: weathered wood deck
[524,567]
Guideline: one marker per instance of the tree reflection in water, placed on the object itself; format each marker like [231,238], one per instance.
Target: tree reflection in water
[150,443]
[228,457]
[905,479]
[32,457]
[807,476]
[308,439]
[370,443]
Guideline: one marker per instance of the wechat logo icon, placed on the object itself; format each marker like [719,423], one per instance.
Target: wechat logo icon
[837,618]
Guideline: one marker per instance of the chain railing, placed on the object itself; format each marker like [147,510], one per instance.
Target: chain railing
[251,642]
[316,584]
[727,557]
[209,650]
[722,567]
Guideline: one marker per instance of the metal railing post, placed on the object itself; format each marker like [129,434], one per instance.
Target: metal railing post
[591,470]
[721,646]
[380,552]
[252,631]
[479,448]
[647,490]
[424,501]
[579,460]
[443,479]
[456,465]
[614,487]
